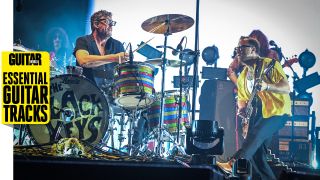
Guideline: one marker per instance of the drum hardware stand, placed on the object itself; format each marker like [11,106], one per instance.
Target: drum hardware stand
[165,24]
[164,63]
[110,131]
[162,131]
[175,150]
[22,134]
[196,62]
[121,137]
[132,116]
[109,134]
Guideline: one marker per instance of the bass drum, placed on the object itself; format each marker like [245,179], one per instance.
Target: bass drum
[78,109]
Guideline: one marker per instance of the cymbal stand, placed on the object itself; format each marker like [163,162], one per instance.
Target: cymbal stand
[164,63]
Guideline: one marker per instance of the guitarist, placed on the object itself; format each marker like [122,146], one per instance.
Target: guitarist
[271,105]
[236,67]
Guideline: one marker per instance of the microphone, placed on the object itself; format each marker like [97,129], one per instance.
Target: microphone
[130,54]
[277,49]
[179,47]
[272,43]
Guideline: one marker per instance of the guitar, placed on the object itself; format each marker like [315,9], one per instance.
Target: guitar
[249,111]
[289,62]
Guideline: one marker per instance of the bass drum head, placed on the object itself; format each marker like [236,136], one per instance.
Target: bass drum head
[78,109]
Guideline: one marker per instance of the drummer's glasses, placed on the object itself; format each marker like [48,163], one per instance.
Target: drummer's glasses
[108,22]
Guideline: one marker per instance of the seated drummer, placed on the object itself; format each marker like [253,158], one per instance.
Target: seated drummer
[98,53]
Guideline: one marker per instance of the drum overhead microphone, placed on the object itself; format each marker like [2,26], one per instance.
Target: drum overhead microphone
[179,47]
[130,54]
[272,43]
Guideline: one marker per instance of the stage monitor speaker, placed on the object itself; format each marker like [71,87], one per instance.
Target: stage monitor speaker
[217,102]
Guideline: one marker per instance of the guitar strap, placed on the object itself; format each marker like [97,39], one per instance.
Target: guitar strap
[258,74]
[259,71]
[268,69]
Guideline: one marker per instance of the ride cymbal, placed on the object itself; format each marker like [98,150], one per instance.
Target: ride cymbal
[167,23]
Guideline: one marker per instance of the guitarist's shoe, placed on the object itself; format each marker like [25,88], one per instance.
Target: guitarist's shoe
[225,167]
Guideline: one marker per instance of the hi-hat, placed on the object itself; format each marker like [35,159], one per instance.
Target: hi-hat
[170,62]
[167,23]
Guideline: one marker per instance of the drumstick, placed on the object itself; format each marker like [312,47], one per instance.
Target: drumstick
[143,45]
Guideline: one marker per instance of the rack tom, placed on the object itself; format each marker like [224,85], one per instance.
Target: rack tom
[133,85]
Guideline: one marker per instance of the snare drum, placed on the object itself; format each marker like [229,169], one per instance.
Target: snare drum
[170,111]
[78,109]
[133,85]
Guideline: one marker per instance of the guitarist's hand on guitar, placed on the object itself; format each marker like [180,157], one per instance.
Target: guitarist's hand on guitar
[245,127]
[264,86]
[241,112]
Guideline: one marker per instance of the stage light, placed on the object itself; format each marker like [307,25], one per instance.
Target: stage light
[204,140]
[242,169]
[306,60]
[210,55]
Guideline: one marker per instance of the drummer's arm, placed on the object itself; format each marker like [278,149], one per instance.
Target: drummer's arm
[87,60]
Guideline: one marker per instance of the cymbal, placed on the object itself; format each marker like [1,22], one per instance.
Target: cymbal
[170,62]
[20,47]
[160,24]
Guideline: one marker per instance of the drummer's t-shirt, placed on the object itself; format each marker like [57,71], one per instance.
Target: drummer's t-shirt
[106,71]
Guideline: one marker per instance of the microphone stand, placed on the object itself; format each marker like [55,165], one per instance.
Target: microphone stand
[130,54]
[295,77]
[180,102]
[195,67]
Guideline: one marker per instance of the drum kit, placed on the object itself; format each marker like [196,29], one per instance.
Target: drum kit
[79,108]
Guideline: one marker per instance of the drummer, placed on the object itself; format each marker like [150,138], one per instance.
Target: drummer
[98,52]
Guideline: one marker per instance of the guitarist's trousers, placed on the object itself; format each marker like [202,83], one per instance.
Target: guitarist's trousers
[255,145]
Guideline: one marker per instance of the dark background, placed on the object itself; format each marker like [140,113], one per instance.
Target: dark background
[34,18]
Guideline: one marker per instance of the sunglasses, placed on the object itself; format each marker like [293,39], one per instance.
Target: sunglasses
[108,22]
[242,47]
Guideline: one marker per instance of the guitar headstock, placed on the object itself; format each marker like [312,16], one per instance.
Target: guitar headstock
[288,62]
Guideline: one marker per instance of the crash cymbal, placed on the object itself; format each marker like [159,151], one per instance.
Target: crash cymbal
[20,47]
[160,24]
[170,62]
